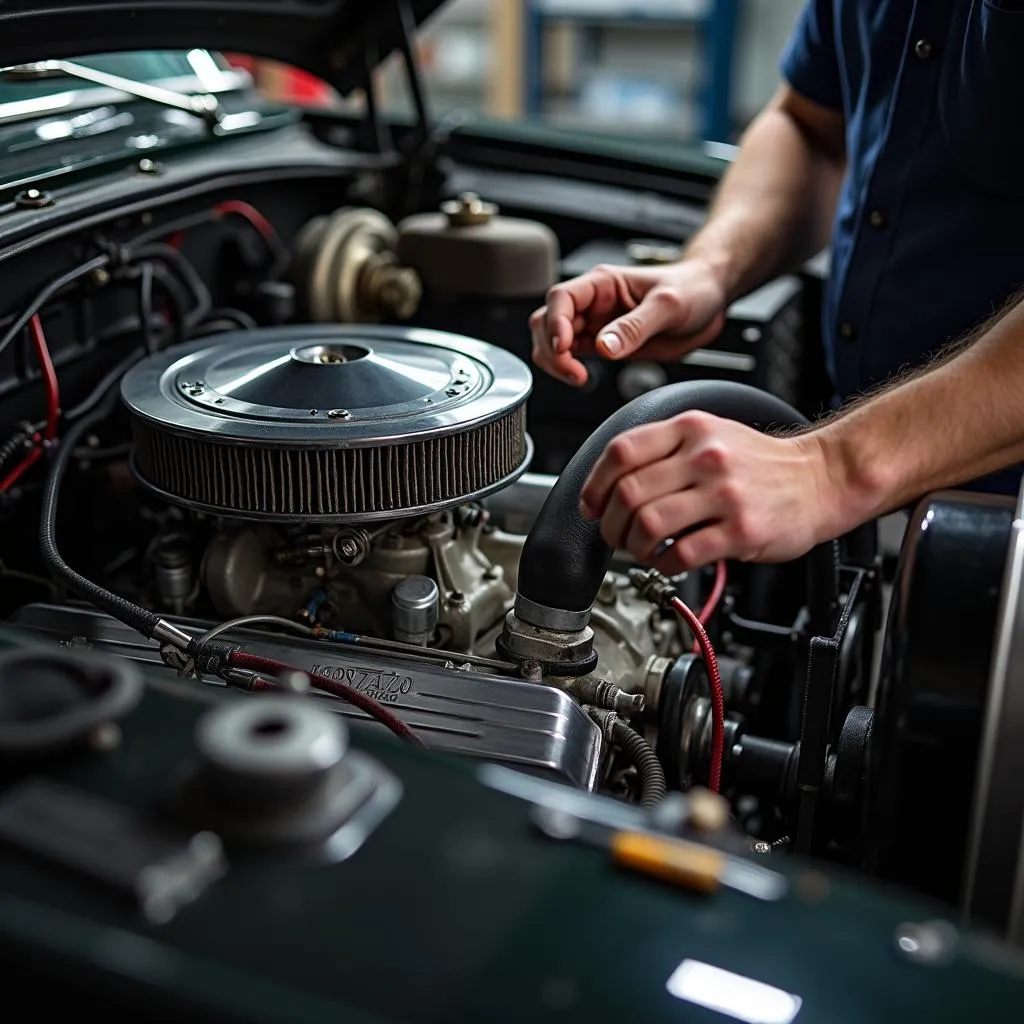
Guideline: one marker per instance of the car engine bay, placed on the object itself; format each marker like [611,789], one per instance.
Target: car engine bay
[264,433]
[270,453]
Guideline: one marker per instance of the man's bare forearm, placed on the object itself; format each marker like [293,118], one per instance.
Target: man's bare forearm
[775,205]
[958,420]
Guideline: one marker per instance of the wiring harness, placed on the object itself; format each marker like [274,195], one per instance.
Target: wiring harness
[154,262]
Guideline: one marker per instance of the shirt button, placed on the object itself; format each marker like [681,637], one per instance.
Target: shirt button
[847,331]
[876,219]
[923,49]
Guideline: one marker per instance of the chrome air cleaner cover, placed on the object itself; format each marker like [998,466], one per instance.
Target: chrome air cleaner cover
[328,423]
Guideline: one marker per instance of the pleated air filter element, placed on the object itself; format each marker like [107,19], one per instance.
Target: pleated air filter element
[328,424]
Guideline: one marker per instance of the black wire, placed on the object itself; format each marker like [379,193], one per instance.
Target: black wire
[48,292]
[116,451]
[98,393]
[162,231]
[146,307]
[241,319]
[131,614]
[278,253]
[174,291]
[176,261]
[150,342]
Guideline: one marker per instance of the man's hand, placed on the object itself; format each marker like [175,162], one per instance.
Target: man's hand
[731,491]
[658,313]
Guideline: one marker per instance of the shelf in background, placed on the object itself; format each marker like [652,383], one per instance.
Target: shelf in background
[714,21]
[625,10]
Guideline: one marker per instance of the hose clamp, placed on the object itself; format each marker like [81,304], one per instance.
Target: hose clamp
[546,617]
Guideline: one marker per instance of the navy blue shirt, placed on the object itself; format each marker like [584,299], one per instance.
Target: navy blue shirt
[928,239]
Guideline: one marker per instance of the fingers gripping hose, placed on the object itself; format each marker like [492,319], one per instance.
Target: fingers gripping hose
[565,557]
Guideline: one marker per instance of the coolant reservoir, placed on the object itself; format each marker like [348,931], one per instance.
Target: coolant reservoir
[468,250]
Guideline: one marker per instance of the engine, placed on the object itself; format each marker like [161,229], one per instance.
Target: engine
[269,499]
[331,482]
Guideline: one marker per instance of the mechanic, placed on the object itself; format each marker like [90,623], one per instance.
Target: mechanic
[894,132]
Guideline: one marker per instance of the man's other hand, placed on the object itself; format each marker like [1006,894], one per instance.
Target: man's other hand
[658,313]
[712,489]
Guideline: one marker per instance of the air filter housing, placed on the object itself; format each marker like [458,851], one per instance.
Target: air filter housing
[327,423]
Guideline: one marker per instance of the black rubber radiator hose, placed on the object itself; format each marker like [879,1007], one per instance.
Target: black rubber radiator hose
[565,557]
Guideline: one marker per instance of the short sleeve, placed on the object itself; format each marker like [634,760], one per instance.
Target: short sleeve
[810,63]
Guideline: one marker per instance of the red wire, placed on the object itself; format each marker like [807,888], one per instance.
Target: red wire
[52,406]
[717,696]
[717,590]
[26,464]
[257,663]
[49,376]
[249,213]
[716,594]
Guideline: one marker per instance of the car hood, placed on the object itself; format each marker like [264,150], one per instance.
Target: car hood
[336,40]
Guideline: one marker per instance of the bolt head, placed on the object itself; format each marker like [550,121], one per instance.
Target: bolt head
[33,199]
[931,943]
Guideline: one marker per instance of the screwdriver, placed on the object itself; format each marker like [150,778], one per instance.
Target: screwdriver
[680,862]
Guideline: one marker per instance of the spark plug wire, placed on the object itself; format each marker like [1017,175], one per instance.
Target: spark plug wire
[717,695]
[711,605]
[271,667]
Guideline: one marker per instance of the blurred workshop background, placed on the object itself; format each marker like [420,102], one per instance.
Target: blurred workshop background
[666,70]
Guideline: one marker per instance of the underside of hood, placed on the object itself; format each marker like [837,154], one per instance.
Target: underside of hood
[336,40]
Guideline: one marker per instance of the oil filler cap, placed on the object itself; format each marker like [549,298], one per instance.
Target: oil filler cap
[277,772]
